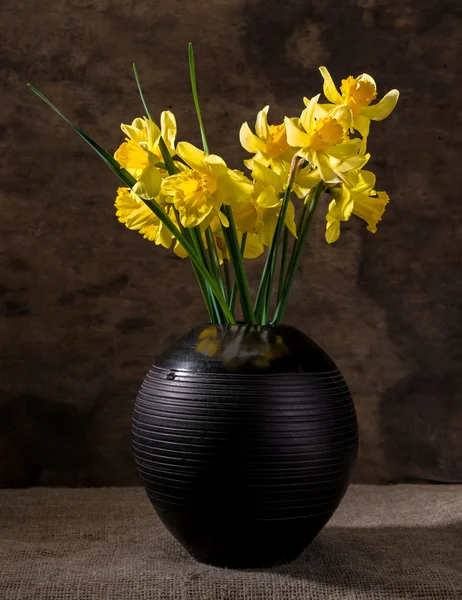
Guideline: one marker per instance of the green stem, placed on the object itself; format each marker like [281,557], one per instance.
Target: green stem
[205,291]
[214,260]
[266,282]
[282,269]
[204,288]
[192,75]
[227,280]
[306,205]
[215,266]
[138,84]
[196,235]
[232,301]
[232,243]
[295,259]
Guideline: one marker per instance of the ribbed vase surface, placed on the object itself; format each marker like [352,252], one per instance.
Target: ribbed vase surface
[245,438]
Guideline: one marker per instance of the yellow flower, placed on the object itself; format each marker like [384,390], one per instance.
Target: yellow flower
[269,144]
[137,216]
[358,93]
[259,215]
[360,200]
[133,212]
[371,209]
[199,192]
[323,141]
[141,147]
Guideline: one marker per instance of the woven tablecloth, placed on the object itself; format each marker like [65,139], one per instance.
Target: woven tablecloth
[384,542]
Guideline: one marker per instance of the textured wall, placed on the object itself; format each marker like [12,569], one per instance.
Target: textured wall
[86,305]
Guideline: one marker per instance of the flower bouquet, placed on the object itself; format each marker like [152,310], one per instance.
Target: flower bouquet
[217,216]
[245,435]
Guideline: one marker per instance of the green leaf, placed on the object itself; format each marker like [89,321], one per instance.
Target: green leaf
[105,156]
[296,254]
[192,75]
[137,79]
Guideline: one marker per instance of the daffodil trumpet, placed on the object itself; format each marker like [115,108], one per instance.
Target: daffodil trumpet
[177,195]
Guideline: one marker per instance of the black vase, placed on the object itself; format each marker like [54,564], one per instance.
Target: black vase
[245,438]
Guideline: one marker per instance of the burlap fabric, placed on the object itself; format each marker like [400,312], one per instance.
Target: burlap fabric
[88,544]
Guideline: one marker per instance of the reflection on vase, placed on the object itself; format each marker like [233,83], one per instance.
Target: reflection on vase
[250,345]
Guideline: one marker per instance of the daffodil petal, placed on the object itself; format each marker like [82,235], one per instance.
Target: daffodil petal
[261,123]
[136,131]
[307,116]
[142,217]
[330,91]
[353,162]
[234,188]
[216,165]
[295,137]
[345,149]
[343,115]
[192,219]
[165,237]
[169,184]
[179,250]
[269,218]
[362,124]
[321,110]
[332,230]
[153,134]
[305,181]
[366,182]
[345,207]
[148,185]
[290,219]
[191,155]
[268,198]
[381,110]
[246,216]
[253,246]
[325,169]
[249,141]
[223,219]
[168,130]
[125,204]
[267,176]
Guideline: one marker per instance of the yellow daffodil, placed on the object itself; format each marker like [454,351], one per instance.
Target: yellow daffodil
[133,212]
[259,215]
[141,146]
[323,141]
[358,93]
[199,192]
[360,200]
[135,215]
[268,143]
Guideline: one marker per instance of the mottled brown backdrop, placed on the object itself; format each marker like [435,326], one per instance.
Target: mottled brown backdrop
[86,305]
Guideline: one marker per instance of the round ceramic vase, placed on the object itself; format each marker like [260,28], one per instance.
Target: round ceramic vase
[245,438]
